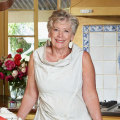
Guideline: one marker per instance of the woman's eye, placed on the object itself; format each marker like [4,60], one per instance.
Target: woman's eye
[66,31]
[55,29]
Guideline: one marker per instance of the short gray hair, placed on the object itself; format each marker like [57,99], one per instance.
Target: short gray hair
[60,15]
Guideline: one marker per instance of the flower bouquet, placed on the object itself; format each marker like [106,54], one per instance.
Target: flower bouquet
[14,70]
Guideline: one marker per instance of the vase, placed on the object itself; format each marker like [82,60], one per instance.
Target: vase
[17,91]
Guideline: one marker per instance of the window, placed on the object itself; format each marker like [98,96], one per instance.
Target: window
[27,23]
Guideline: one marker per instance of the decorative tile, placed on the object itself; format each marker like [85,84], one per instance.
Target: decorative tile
[118,37]
[96,28]
[86,28]
[119,60]
[110,28]
[86,48]
[118,28]
[86,42]
[86,36]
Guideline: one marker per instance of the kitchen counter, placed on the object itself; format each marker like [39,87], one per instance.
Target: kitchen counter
[116,114]
[110,108]
[13,106]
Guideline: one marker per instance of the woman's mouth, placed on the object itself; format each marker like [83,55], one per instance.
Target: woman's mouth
[59,41]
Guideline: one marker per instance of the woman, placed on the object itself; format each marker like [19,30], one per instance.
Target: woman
[61,76]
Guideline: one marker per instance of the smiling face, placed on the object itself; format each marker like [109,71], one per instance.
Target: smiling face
[61,34]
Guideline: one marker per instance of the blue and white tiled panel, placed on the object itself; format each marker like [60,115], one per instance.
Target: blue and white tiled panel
[102,39]
[103,43]
[100,29]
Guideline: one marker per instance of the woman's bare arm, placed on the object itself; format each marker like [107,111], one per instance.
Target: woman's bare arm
[31,92]
[89,87]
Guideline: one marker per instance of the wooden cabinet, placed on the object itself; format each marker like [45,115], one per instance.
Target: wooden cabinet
[95,7]
[30,117]
[110,118]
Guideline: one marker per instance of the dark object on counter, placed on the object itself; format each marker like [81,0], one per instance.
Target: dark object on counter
[110,108]
[108,104]
[5,4]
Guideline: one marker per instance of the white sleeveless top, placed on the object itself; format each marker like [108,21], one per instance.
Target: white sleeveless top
[60,86]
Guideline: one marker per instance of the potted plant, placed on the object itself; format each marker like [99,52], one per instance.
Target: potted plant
[14,70]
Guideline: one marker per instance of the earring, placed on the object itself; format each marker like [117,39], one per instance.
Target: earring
[49,42]
[70,44]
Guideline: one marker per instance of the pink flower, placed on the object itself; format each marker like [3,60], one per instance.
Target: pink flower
[23,69]
[20,75]
[9,78]
[23,64]
[10,65]
[14,73]
[2,76]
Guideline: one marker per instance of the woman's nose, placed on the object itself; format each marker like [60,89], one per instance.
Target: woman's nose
[60,33]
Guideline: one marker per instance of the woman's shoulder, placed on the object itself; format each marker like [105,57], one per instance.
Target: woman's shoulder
[77,49]
[38,54]
[38,50]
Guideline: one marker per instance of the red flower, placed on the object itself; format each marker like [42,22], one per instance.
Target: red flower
[17,57]
[1,63]
[9,56]
[17,62]
[10,65]
[20,50]
[9,78]
[2,76]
